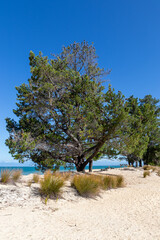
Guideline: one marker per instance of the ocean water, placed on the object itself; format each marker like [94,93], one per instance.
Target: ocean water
[29,170]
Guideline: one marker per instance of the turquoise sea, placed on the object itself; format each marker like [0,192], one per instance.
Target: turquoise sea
[29,170]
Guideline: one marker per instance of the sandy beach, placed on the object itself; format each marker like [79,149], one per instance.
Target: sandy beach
[129,213]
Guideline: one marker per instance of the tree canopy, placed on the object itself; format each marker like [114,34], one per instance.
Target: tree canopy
[65,115]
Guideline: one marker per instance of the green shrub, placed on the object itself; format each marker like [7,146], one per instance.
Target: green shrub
[86,185]
[35,178]
[5,176]
[16,175]
[146,173]
[51,185]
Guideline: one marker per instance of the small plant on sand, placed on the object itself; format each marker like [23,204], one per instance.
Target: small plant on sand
[146,173]
[158,172]
[5,176]
[51,185]
[86,185]
[16,175]
[29,183]
[109,182]
[120,181]
[148,167]
[35,178]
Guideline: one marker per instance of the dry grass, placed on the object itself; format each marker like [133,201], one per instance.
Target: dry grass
[29,183]
[64,175]
[16,175]
[90,185]
[110,182]
[158,172]
[51,186]
[146,173]
[148,167]
[86,185]
[5,176]
[35,178]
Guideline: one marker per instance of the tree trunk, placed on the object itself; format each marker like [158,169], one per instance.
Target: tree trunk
[90,165]
[80,168]
[140,163]
[136,164]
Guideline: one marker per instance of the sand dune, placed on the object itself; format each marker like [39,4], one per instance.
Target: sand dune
[127,213]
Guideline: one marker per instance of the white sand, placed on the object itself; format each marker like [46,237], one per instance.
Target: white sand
[128,213]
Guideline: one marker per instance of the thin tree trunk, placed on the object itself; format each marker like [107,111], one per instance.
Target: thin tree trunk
[90,165]
[140,163]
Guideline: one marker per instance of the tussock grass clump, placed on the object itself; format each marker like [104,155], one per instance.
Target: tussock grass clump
[148,167]
[90,185]
[86,185]
[5,176]
[16,175]
[64,175]
[29,183]
[146,173]
[110,182]
[158,172]
[120,181]
[51,185]
[35,178]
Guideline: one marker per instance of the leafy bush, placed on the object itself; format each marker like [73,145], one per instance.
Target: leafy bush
[16,175]
[146,173]
[51,185]
[86,185]
[35,178]
[5,176]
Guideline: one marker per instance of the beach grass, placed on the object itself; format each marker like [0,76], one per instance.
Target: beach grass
[35,178]
[86,185]
[16,174]
[51,186]
[146,173]
[5,176]
[158,172]
[90,185]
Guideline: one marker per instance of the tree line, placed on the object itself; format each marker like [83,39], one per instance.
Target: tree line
[67,117]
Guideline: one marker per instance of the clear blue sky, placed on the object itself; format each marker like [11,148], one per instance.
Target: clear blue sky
[126,35]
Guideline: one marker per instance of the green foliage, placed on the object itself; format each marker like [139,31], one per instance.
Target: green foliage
[143,119]
[35,178]
[5,176]
[152,155]
[64,114]
[146,173]
[16,175]
[51,186]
